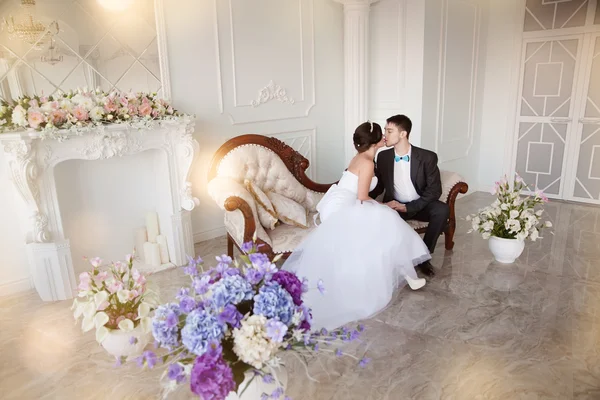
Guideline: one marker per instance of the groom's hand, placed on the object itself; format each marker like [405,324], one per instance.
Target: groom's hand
[395,205]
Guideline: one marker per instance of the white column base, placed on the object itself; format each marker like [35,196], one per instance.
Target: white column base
[52,270]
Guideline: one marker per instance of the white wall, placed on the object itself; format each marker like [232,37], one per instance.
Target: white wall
[428,63]
[270,42]
[501,76]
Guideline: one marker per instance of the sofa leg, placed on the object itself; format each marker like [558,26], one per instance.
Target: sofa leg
[229,246]
[449,235]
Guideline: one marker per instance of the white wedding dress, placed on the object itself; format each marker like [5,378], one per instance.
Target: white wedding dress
[361,251]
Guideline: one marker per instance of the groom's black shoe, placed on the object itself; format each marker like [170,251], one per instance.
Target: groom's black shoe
[426,268]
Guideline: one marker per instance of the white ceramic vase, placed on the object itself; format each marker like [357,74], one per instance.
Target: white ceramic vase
[506,251]
[256,387]
[117,342]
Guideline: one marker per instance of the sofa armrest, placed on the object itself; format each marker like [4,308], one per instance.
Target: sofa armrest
[232,196]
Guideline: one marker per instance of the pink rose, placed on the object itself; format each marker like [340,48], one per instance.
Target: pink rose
[145,109]
[110,105]
[35,118]
[57,117]
[44,99]
[34,103]
[80,113]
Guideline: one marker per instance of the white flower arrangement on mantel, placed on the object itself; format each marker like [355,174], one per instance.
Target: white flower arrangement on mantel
[76,112]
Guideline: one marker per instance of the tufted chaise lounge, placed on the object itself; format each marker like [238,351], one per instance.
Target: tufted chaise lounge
[274,166]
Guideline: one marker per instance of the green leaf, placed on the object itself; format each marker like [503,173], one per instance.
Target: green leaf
[239,369]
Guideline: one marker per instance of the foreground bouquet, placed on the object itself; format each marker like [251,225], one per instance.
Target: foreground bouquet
[113,299]
[511,216]
[231,325]
[83,109]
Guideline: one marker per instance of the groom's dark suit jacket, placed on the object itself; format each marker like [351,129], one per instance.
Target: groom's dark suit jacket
[424,174]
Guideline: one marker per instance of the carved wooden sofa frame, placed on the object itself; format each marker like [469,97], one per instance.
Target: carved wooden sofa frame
[297,165]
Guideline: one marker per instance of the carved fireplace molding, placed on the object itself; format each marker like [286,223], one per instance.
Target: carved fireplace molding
[31,162]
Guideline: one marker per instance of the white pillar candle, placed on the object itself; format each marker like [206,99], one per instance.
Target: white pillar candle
[164,249]
[141,237]
[152,226]
[152,254]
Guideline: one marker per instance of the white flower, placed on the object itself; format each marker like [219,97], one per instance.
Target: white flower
[522,235]
[539,213]
[486,235]
[469,218]
[251,344]
[504,206]
[514,214]
[96,113]
[19,116]
[534,235]
[476,221]
[548,224]
[126,325]
[488,226]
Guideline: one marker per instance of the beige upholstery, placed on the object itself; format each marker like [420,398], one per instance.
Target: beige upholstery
[267,171]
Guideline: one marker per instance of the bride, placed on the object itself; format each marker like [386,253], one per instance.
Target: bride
[362,251]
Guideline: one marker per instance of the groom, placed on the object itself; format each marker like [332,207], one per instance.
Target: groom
[411,180]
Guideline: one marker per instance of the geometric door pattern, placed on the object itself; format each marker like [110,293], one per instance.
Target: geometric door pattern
[587,175]
[545,118]
[554,14]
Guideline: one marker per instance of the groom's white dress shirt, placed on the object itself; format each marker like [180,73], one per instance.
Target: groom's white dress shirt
[404,190]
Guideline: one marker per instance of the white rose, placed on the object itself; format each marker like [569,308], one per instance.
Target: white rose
[19,116]
[96,113]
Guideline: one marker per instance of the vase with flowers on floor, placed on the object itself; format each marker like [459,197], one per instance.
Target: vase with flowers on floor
[511,219]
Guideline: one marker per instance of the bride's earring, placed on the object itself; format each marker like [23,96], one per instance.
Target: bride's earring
[415,283]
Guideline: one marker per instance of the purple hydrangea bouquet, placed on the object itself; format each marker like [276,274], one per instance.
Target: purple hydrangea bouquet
[227,330]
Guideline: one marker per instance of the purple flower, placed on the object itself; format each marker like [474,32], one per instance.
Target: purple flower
[268,379]
[192,268]
[307,320]
[259,260]
[254,276]
[176,373]
[211,376]
[133,340]
[120,361]
[200,329]
[277,393]
[224,262]
[363,363]
[273,301]
[276,330]
[187,304]
[247,247]
[231,316]
[320,286]
[304,285]
[290,282]
[231,290]
[147,358]
[165,323]
[183,292]
[201,284]
[338,353]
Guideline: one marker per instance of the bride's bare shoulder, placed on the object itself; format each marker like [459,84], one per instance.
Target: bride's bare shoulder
[361,164]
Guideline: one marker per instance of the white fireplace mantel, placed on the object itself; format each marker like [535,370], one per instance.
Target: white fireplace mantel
[31,163]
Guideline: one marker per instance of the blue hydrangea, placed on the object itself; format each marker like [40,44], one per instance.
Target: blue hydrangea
[165,325]
[200,329]
[231,290]
[273,301]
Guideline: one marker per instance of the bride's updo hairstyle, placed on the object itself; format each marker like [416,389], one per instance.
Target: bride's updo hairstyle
[366,135]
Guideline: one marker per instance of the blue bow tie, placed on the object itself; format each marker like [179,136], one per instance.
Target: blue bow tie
[403,158]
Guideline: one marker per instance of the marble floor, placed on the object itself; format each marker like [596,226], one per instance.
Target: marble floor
[478,330]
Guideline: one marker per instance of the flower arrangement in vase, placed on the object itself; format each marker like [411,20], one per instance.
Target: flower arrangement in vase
[82,109]
[510,219]
[117,303]
[225,333]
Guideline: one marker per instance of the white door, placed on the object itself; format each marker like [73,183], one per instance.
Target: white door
[545,119]
[584,171]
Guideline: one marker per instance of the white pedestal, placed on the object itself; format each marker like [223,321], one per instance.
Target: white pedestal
[52,270]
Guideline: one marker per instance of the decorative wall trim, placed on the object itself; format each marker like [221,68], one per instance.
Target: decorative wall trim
[272,92]
[16,286]
[304,142]
[209,234]
[440,141]
[163,54]
[262,109]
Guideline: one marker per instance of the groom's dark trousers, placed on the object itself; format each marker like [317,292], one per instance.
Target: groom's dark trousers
[425,177]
